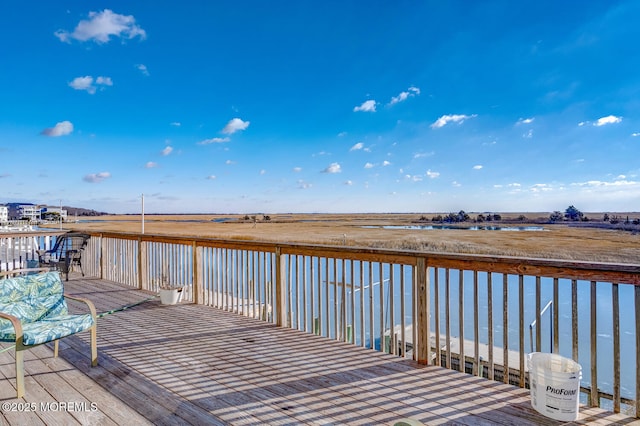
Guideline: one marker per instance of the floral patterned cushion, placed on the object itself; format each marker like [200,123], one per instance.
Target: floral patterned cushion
[48,329]
[38,301]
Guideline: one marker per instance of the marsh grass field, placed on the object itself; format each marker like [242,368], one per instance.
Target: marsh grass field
[593,241]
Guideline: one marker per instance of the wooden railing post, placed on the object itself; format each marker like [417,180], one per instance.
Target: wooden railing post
[102,257]
[197,277]
[140,274]
[423,296]
[280,288]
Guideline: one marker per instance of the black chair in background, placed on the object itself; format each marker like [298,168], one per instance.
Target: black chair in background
[66,253]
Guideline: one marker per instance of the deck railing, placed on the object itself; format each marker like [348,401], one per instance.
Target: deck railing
[17,248]
[466,312]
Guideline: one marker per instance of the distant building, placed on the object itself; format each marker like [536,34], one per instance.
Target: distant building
[4,214]
[29,212]
[58,211]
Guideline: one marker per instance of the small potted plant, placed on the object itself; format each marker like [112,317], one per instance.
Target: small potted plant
[170,294]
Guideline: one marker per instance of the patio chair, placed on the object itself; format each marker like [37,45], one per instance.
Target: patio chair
[66,253]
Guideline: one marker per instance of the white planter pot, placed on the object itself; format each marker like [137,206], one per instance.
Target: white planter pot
[170,296]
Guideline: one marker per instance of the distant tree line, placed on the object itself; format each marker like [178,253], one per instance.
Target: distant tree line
[255,218]
[570,214]
[614,219]
[462,216]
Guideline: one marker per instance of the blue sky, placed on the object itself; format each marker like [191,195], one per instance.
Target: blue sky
[332,106]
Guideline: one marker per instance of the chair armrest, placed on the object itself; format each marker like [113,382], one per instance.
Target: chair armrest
[17,272]
[17,325]
[89,303]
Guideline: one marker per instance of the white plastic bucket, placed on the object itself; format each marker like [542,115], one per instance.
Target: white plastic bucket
[170,296]
[554,383]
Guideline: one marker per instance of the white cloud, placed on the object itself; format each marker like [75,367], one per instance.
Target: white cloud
[525,121]
[477,167]
[400,98]
[541,187]
[83,83]
[143,69]
[175,124]
[101,26]
[104,81]
[367,106]
[368,166]
[235,125]
[598,183]
[304,185]
[151,165]
[453,118]
[456,184]
[423,154]
[414,178]
[60,129]
[166,151]
[229,162]
[609,119]
[432,174]
[528,135]
[403,96]
[214,140]
[333,168]
[348,182]
[211,177]
[87,83]
[582,123]
[514,185]
[357,146]
[263,172]
[634,134]
[96,177]
[342,134]
[297,169]
[386,163]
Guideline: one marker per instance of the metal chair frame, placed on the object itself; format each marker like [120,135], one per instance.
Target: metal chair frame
[66,252]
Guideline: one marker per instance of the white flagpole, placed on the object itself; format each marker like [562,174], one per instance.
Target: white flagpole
[143,213]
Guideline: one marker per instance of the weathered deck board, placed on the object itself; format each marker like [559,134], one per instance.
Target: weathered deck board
[189,364]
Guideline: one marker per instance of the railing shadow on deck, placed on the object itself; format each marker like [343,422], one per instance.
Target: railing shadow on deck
[232,368]
[237,370]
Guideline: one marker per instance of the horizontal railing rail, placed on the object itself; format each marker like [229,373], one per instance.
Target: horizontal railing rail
[461,311]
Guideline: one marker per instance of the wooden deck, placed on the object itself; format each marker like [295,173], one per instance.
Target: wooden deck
[190,364]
